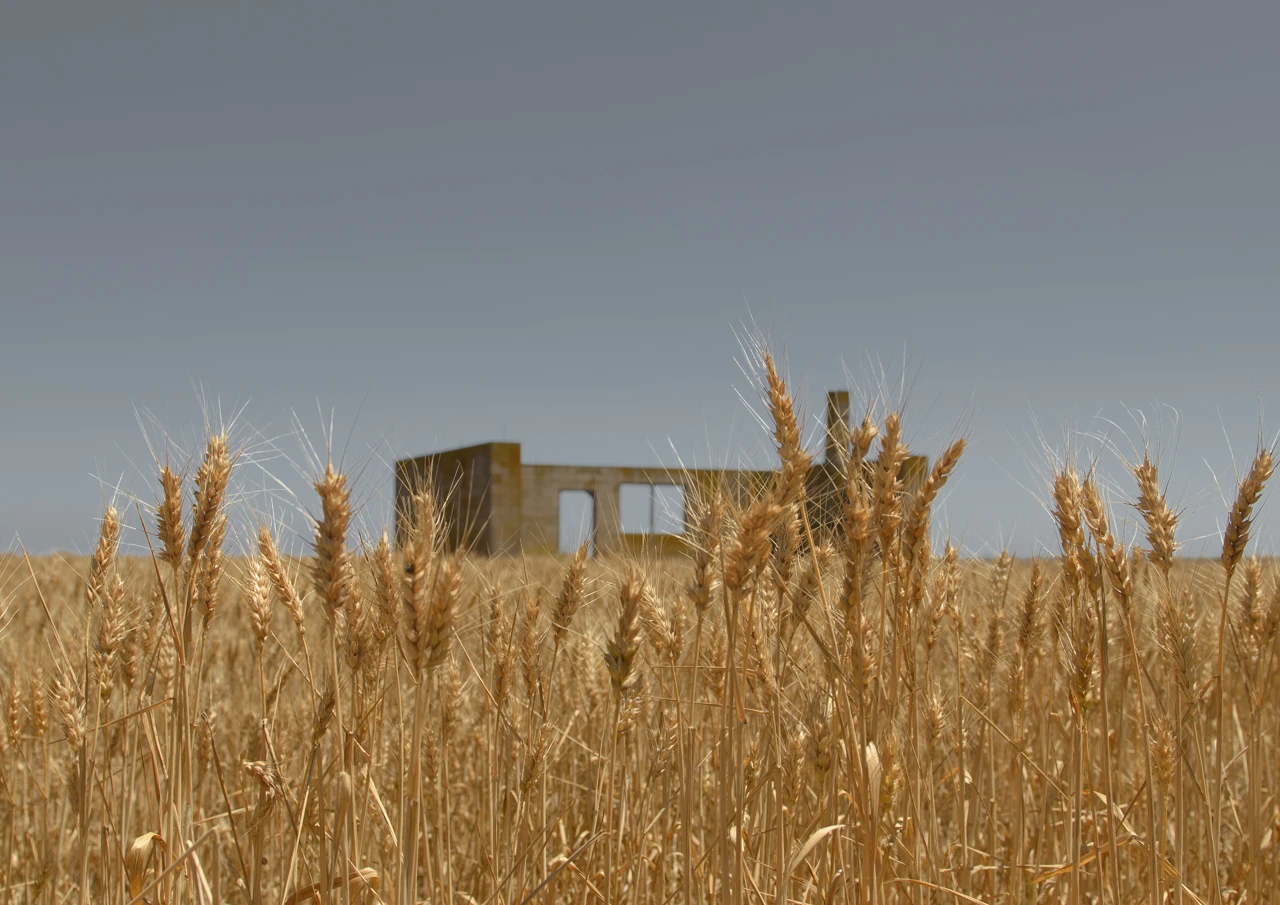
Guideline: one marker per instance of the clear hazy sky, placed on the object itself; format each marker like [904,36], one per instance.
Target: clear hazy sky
[546,222]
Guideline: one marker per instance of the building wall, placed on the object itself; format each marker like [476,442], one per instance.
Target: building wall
[543,484]
[506,498]
[540,527]
[479,488]
[495,504]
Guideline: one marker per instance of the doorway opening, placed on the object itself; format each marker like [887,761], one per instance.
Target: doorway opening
[577,521]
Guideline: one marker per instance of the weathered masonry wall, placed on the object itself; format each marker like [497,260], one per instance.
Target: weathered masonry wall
[541,510]
[494,503]
[480,487]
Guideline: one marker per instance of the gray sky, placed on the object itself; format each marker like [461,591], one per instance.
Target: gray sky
[548,222]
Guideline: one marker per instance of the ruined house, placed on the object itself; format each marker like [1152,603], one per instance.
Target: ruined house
[496,503]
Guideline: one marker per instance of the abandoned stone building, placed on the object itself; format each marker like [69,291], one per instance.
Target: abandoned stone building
[496,503]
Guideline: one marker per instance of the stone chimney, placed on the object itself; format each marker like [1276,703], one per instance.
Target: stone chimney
[837,428]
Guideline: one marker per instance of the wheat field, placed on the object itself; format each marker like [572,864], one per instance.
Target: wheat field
[788,714]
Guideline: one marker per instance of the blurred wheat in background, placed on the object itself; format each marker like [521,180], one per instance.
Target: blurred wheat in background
[791,713]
